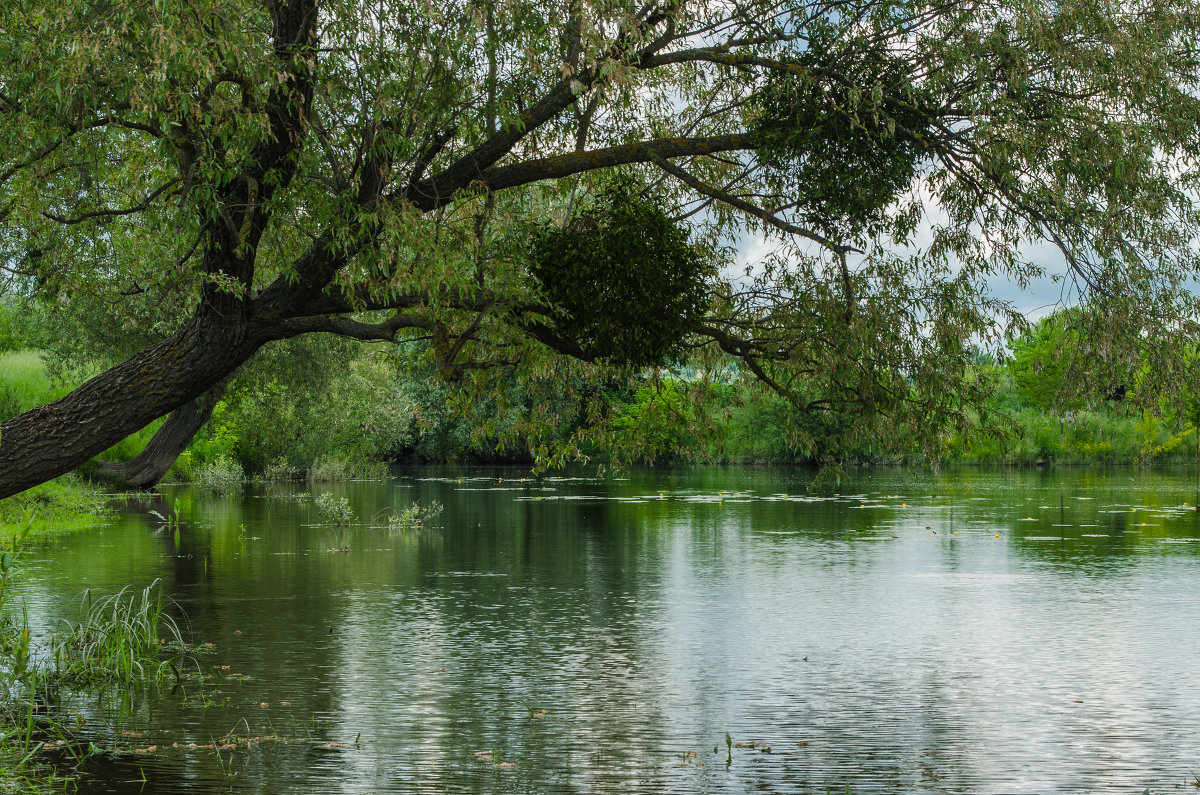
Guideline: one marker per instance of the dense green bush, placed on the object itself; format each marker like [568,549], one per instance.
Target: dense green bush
[846,149]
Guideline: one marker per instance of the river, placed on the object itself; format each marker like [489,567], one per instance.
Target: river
[958,632]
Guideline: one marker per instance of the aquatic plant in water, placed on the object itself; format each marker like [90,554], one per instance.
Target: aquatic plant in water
[415,516]
[123,641]
[334,510]
[126,638]
[222,476]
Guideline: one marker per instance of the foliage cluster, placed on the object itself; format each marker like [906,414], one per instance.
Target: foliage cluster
[624,277]
[317,407]
[837,142]
[222,475]
[336,511]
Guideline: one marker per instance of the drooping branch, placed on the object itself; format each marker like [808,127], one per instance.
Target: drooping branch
[109,213]
[71,131]
[747,353]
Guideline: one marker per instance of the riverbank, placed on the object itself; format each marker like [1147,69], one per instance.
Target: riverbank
[63,505]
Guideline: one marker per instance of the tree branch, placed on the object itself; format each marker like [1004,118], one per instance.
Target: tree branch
[641,152]
[348,327]
[437,190]
[137,208]
[753,209]
[741,350]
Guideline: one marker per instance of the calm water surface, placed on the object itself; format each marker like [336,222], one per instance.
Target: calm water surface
[1016,632]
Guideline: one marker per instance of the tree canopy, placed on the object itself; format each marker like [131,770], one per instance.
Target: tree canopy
[211,176]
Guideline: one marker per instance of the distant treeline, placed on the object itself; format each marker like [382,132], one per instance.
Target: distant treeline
[347,410]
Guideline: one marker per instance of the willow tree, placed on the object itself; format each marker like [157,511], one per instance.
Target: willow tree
[255,170]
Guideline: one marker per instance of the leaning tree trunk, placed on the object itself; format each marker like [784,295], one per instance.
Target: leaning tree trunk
[144,470]
[54,439]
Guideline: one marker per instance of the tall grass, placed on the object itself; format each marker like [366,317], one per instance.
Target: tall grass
[24,383]
[126,638]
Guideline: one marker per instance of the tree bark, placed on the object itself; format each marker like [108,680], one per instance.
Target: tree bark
[148,467]
[54,439]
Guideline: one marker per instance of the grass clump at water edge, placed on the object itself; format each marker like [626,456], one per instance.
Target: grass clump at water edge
[123,641]
[64,504]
